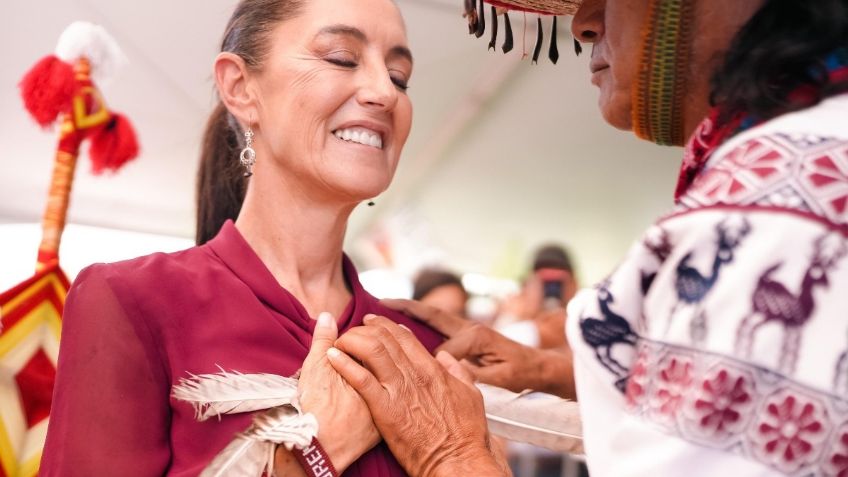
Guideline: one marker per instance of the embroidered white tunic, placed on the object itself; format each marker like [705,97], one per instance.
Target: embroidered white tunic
[719,347]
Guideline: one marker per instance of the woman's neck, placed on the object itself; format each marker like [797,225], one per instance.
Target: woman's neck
[300,241]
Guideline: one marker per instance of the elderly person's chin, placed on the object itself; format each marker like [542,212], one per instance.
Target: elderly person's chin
[617,108]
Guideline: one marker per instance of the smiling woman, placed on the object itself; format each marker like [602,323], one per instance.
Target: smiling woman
[316,90]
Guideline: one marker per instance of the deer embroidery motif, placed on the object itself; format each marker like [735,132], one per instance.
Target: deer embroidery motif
[772,301]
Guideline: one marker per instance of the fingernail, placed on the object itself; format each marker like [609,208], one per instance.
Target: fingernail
[368,318]
[333,353]
[325,320]
[404,327]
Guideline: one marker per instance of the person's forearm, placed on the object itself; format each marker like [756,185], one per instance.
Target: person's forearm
[557,372]
[286,465]
[483,465]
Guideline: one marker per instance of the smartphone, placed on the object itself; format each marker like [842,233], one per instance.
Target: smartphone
[552,294]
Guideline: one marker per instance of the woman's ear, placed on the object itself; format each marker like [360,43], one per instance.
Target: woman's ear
[231,77]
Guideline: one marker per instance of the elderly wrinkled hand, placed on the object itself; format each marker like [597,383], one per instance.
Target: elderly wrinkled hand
[432,420]
[493,358]
[345,427]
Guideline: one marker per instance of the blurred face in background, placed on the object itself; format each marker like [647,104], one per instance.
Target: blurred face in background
[448,298]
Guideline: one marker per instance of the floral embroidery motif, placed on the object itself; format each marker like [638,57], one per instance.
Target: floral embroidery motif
[806,173]
[742,174]
[719,402]
[837,460]
[637,383]
[790,431]
[722,403]
[674,381]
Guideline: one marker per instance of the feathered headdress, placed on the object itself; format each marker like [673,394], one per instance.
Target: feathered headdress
[475,13]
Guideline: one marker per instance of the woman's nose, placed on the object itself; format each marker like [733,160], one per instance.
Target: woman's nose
[588,23]
[378,90]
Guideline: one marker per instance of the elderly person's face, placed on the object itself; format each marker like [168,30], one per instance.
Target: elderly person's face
[332,106]
[614,28]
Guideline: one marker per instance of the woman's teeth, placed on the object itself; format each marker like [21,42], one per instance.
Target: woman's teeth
[360,136]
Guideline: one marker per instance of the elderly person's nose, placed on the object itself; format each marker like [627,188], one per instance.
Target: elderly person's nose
[588,23]
[378,90]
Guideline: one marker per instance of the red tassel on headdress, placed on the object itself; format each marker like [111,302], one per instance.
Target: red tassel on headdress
[47,89]
[113,145]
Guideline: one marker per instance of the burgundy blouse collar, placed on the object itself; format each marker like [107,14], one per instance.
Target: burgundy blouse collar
[232,249]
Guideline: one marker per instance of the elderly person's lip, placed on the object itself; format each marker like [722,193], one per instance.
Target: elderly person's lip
[594,67]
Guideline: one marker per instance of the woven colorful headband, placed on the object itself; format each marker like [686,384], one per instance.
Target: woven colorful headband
[475,13]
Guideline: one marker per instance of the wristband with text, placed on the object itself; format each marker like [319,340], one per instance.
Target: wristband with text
[314,460]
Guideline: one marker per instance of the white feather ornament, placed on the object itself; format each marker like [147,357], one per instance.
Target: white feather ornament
[535,418]
[252,453]
[232,392]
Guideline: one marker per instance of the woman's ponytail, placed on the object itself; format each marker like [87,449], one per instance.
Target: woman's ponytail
[220,178]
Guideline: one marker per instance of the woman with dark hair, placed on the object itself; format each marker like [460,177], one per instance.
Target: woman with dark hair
[718,346]
[312,120]
[441,289]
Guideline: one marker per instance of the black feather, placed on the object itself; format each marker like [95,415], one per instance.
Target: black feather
[481,21]
[494,29]
[540,37]
[553,51]
[507,46]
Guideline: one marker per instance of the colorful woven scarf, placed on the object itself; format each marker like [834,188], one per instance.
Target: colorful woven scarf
[661,81]
[713,131]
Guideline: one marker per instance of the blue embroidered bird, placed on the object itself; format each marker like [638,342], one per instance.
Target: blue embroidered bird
[692,286]
[603,334]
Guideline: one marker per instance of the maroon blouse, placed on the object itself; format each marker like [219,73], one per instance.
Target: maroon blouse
[133,329]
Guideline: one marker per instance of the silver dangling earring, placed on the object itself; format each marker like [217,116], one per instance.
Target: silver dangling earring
[248,155]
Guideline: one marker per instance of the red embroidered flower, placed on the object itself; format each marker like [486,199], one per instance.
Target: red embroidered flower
[838,458]
[790,431]
[673,383]
[722,401]
[635,390]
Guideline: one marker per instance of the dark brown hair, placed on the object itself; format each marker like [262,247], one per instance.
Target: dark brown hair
[429,279]
[220,181]
[783,47]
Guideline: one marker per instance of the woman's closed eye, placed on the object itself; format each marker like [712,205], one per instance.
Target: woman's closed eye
[400,81]
[350,62]
[345,60]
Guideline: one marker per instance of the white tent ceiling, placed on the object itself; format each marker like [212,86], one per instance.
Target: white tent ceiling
[503,155]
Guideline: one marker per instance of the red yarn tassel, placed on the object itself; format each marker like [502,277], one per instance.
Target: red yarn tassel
[114,145]
[47,89]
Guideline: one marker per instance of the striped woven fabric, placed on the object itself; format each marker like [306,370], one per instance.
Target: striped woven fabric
[660,87]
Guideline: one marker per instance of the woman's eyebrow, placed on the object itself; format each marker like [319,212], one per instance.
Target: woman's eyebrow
[359,35]
[402,52]
[344,30]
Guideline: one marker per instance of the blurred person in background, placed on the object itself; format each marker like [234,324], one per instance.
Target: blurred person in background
[536,315]
[441,289]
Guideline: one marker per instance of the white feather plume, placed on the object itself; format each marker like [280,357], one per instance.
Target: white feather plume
[535,418]
[243,457]
[93,42]
[232,392]
[252,453]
